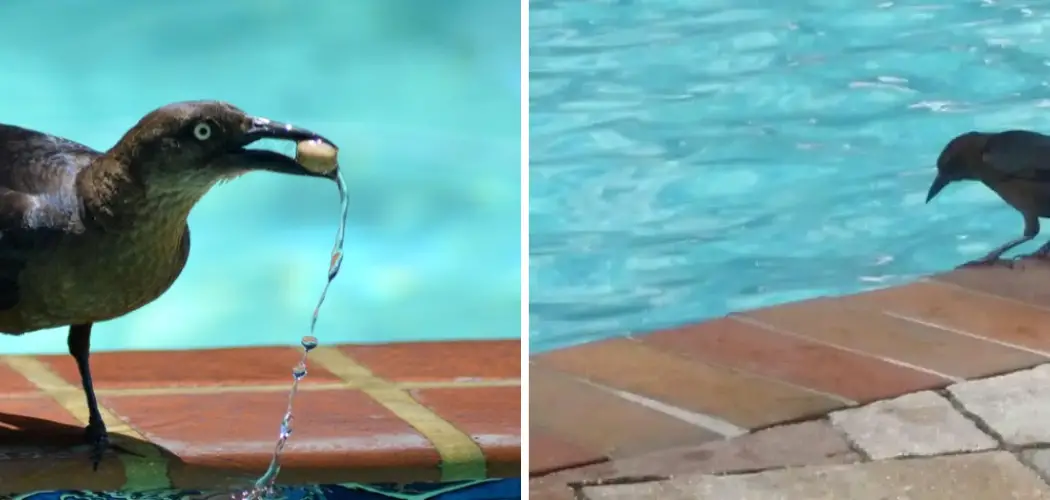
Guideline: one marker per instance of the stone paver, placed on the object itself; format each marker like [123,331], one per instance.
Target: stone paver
[548,489]
[793,445]
[918,424]
[1016,406]
[993,475]
[1040,460]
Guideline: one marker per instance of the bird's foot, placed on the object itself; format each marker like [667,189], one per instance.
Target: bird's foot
[1008,263]
[98,439]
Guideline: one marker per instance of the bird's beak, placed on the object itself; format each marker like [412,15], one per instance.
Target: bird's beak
[938,184]
[260,159]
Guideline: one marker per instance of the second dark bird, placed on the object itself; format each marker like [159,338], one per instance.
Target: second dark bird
[89,236]
[1015,164]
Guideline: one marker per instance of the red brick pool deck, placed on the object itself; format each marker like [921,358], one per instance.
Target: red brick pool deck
[671,401]
[209,419]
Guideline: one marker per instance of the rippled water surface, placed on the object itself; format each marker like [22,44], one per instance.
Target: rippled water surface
[424,99]
[689,158]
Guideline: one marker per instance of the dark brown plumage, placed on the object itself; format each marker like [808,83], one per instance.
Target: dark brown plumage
[1015,164]
[87,236]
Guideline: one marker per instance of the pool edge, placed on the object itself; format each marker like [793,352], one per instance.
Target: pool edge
[207,419]
[693,398]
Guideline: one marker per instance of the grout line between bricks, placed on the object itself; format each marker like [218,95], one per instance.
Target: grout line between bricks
[461,457]
[943,392]
[851,444]
[975,420]
[150,471]
[744,318]
[711,423]
[974,291]
[1014,450]
[325,386]
[1002,445]
[747,373]
[1002,343]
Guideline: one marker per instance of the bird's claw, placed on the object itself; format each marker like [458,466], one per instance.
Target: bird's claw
[98,440]
[991,262]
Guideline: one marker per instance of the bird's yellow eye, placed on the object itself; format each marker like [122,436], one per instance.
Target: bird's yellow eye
[202,131]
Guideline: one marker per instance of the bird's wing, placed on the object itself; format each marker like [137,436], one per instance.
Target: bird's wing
[38,202]
[1019,154]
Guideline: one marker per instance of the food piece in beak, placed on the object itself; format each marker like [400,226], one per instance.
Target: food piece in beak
[317,156]
[317,160]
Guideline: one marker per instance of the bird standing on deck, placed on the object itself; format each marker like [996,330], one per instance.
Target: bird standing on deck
[1015,164]
[87,236]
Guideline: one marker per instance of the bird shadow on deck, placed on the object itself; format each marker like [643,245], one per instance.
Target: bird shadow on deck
[27,438]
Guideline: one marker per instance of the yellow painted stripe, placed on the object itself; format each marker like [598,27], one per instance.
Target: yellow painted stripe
[327,386]
[461,457]
[150,471]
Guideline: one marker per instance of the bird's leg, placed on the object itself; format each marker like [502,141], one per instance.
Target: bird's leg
[79,341]
[1041,252]
[1031,229]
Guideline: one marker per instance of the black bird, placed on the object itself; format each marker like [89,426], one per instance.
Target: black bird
[1015,164]
[87,236]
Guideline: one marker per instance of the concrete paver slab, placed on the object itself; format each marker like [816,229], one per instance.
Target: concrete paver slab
[990,475]
[918,424]
[1016,406]
[1039,460]
[805,443]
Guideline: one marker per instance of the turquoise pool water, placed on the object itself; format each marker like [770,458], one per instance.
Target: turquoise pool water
[693,158]
[424,99]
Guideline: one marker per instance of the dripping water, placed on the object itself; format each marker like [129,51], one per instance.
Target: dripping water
[336,261]
[264,486]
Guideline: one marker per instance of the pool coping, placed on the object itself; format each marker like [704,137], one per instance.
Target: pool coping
[692,398]
[209,419]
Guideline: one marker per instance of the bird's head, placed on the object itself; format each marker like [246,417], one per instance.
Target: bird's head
[958,161]
[191,145]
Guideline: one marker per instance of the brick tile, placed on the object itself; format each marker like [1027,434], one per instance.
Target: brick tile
[745,346]
[548,452]
[13,384]
[600,422]
[954,308]
[919,424]
[489,415]
[836,322]
[441,361]
[741,399]
[334,429]
[226,439]
[38,420]
[1025,282]
[204,368]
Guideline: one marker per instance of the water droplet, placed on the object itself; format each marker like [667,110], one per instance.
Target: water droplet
[264,487]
